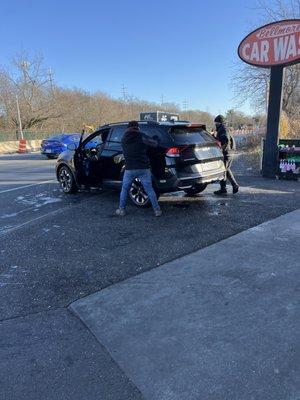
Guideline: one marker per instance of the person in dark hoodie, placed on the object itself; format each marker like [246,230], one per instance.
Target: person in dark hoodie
[137,165]
[227,145]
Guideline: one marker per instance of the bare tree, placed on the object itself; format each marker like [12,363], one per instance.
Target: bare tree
[31,83]
[251,83]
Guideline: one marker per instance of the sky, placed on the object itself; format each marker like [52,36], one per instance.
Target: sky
[185,50]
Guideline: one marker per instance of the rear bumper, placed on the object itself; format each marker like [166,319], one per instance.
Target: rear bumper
[45,153]
[204,177]
[177,183]
[52,151]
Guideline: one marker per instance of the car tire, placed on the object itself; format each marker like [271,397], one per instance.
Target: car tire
[138,195]
[67,180]
[198,188]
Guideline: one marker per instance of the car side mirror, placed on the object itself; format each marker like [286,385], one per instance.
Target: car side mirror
[71,146]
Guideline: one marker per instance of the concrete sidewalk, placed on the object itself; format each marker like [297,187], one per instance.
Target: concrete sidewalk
[220,324]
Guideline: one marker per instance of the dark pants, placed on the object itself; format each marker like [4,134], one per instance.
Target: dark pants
[229,174]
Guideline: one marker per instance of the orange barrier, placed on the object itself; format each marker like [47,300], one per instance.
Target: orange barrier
[22,146]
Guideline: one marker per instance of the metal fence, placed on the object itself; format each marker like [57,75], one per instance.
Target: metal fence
[11,136]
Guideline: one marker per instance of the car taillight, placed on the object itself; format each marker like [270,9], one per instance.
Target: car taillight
[173,152]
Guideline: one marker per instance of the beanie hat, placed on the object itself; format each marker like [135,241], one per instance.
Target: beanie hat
[220,119]
[133,124]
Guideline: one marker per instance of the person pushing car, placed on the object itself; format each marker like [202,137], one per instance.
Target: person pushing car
[227,145]
[137,165]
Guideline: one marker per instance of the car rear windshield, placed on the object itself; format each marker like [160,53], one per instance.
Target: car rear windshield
[186,135]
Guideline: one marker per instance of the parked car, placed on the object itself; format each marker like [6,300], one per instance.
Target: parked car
[188,158]
[56,144]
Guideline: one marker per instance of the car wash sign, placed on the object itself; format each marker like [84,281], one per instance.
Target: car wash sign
[273,46]
[276,44]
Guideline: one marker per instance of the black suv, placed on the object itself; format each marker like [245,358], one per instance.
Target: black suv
[188,158]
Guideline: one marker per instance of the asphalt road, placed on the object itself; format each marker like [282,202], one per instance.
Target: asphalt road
[24,169]
[56,248]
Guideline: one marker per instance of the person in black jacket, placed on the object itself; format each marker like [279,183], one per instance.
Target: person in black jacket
[226,141]
[137,165]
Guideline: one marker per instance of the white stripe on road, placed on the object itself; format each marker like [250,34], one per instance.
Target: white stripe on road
[26,186]
[33,220]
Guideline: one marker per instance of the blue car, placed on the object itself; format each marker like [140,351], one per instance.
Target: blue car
[54,145]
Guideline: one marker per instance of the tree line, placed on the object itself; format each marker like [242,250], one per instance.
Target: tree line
[46,107]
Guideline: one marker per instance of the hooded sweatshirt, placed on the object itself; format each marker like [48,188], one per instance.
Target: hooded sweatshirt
[135,149]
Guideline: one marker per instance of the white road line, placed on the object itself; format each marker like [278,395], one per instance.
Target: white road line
[33,220]
[26,186]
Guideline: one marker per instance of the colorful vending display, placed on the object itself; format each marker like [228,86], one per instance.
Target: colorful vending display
[289,159]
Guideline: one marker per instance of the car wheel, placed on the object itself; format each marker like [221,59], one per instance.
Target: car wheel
[198,188]
[66,179]
[138,195]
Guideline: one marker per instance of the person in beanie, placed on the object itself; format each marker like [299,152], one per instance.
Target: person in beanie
[227,145]
[137,165]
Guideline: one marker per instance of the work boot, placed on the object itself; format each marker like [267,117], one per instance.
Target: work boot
[220,192]
[121,212]
[158,213]
[235,189]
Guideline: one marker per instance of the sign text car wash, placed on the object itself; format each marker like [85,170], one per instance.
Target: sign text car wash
[272,46]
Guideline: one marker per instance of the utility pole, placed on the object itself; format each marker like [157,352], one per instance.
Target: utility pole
[124,100]
[50,73]
[19,118]
[124,93]
[162,101]
[185,106]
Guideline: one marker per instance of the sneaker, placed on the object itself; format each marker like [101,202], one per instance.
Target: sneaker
[220,192]
[235,189]
[158,213]
[120,212]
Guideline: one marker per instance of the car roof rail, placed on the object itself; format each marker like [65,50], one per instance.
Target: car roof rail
[125,123]
[157,123]
[172,121]
[149,122]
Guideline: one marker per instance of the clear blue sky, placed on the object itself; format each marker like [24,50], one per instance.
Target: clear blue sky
[183,50]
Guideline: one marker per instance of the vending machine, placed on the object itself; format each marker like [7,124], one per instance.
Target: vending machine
[288,159]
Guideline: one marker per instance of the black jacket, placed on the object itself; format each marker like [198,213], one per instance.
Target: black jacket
[224,138]
[135,149]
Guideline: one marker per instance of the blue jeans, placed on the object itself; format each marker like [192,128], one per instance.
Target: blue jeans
[144,175]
